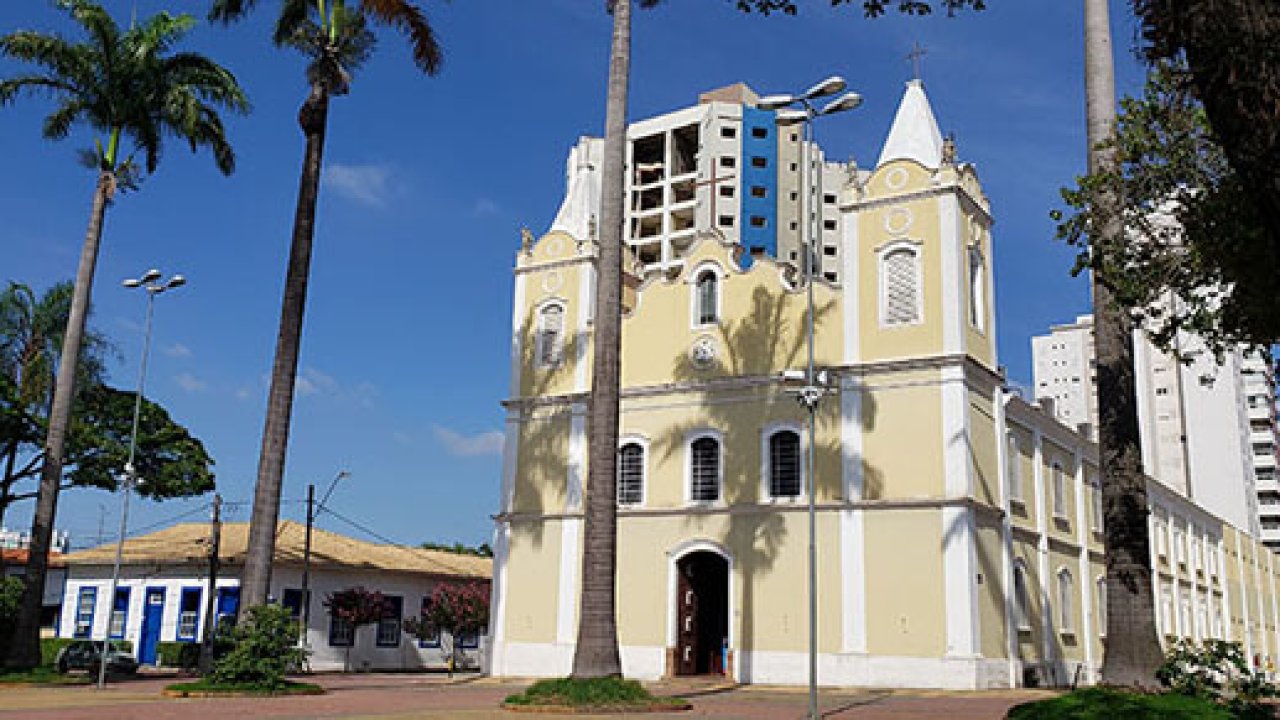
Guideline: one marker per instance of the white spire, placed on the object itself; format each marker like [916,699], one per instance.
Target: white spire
[582,190]
[915,134]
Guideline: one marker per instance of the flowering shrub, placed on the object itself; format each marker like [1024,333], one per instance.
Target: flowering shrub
[357,605]
[1215,670]
[456,609]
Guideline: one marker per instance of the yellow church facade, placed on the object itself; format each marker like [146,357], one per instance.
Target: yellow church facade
[958,526]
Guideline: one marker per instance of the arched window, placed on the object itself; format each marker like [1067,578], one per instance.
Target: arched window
[1066,604]
[708,310]
[1013,467]
[900,287]
[1059,491]
[977,290]
[1021,601]
[704,470]
[784,464]
[550,339]
[1102,605]
[631,474]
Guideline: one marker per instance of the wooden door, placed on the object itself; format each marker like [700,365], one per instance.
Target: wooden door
[687,616]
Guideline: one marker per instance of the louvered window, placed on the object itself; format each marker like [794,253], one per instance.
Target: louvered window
[900,276]
[630,474]
[1066,601]
[1021,604]
[707,300]
[784,464]
[977,292]
[550,335]
[704,470]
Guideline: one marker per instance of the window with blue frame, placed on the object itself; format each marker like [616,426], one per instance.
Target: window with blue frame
[389,625]
[86,603]
[341,632]
[293,601]
[432,639]
[189,614]
[119,613]
[469,640]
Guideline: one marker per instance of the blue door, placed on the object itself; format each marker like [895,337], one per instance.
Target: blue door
[152,616]
[228,604]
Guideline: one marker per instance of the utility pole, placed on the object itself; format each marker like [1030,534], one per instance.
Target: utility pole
[306,563]
[210,610]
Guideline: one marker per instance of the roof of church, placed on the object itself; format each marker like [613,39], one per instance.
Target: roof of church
[915,134]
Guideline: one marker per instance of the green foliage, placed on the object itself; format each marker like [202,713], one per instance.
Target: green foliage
[1215,670]
[10,605]
[208,687]
[264,648]
[49,648]
[1100,703]
[457,548]
[126,83]
[1192,225]
[357,605]
[593,692]
[42,675]
[455,608]
[184,655]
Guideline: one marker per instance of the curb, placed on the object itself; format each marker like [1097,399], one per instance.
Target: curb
[598,709]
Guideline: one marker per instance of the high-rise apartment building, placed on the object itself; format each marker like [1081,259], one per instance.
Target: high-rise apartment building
[1196,418]
[722,166]
[1264,444]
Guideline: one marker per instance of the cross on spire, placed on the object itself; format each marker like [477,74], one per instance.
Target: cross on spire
[915,56]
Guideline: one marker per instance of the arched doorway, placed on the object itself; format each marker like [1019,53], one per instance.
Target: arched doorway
[702,614]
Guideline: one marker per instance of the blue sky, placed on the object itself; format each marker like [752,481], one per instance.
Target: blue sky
[428,181]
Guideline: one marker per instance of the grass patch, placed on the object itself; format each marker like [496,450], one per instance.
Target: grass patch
[1108,703]
[596,693]
[41,676]
[200,688]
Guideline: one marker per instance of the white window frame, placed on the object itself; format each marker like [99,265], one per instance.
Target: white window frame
[695,298]
[977,289]
[1066,601]
[1101,584]
[1058,480]
[643,442]
[766,465]
[539,337]
[689,440]
[1013,467]
[916,248]
[1021,597]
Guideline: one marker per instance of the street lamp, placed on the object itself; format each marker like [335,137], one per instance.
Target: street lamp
[150,281]
[791,110]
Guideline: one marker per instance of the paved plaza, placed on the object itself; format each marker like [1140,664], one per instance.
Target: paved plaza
[436,697]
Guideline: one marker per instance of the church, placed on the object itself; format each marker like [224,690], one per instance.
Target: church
[958,525]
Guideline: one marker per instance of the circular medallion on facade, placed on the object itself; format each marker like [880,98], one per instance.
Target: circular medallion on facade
[897,220]
[704,352]
[897,178]
[555,246]
[552,281]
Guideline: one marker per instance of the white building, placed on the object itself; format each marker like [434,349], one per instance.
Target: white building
[722,164]
[1259,380]
[1194,417]
[163,595]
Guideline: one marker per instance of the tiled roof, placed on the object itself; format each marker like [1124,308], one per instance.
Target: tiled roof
[188,543]
[11,556]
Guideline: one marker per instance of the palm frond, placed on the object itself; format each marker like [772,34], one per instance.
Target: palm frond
[229,11]
[10,88]
[294,15]
[408,19]
[58,124]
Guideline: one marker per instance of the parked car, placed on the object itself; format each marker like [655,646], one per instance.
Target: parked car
[86,654]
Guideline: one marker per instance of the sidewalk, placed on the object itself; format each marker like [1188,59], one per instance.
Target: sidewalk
[436,697]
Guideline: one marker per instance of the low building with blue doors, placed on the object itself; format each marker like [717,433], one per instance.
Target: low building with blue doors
[163,594]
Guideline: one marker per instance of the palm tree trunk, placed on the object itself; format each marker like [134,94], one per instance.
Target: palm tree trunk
[1132,649]
[25,650]
[596,653]
[313,118]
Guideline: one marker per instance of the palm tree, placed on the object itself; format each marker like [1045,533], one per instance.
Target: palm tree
[334,36]
[32,328]
[128,86]
[1132,648]
[596,652]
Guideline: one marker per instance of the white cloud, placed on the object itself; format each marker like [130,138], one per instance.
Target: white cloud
[242,393]
[313,382]
[365,184]
[178,350]
[485,443]
[190,382]
[485,206]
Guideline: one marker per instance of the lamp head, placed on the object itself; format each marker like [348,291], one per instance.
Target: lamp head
[830,86]
[774,102]
[176,281]
[152,275]
[847,101]
[132,283]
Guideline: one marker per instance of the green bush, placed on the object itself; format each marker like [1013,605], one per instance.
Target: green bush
[1109,704]
[263,649]
[596,692]
[49,648]
[184,655]
[10,605]
[1215,670]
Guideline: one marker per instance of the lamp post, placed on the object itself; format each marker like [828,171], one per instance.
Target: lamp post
[150,282]
[793,109]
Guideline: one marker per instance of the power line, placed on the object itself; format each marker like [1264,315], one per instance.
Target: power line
[361,528]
